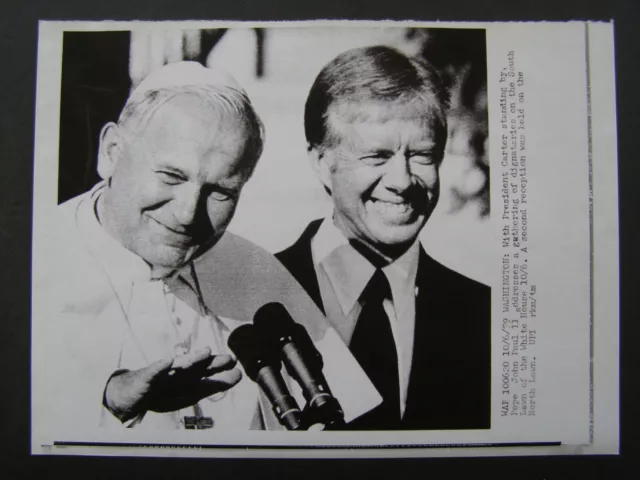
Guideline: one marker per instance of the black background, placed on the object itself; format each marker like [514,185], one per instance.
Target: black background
[18,57]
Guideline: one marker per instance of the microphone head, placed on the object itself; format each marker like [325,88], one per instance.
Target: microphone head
[251,351]
[275,319]
[277,327]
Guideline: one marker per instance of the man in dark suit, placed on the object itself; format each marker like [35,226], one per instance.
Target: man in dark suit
[376,127]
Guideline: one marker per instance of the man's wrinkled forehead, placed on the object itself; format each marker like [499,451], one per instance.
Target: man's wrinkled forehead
[169,115]
[186,121]
[427,114]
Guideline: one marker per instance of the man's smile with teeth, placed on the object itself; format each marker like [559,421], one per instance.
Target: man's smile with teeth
[386,206]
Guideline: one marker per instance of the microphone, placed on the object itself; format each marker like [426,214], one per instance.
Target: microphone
[302,360]
[263,367]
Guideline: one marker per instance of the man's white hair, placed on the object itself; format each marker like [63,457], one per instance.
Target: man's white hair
[215,88]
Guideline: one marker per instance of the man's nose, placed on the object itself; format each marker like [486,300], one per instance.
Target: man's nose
[397,176]
[187,204]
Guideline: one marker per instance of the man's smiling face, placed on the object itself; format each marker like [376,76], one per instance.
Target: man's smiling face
[382,172]
[174,186]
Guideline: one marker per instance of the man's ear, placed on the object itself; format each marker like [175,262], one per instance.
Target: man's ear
[109,150]
[322,164]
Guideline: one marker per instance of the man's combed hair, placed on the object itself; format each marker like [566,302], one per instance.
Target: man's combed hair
[139,110]
[368,75]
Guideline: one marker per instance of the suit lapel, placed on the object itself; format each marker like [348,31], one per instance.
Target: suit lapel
[298,259]
[449,383]
[430,386]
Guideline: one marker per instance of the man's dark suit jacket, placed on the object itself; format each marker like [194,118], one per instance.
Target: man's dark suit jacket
[449,385]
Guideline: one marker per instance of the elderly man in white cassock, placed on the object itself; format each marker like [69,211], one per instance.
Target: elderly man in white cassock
[172,170]
[136,307]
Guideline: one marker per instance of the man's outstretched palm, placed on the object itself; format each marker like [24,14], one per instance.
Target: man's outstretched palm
[170,384]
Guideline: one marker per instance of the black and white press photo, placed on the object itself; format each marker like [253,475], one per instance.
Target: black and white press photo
[304,235]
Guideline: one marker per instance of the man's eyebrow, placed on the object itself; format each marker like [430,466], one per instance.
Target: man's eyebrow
[229,184]
[377,151]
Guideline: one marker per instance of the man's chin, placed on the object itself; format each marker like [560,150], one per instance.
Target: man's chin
[398,237]
[398,231]
[384,249]
[170,260]
[178,257]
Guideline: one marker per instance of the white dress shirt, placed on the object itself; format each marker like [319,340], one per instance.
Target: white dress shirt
[343,273]
[162,324]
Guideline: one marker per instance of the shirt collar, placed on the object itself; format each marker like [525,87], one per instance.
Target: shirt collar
[349,272]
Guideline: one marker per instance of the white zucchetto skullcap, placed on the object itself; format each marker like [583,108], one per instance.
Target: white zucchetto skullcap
[181,74]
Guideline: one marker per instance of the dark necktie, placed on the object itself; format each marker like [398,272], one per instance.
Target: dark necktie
[372,344]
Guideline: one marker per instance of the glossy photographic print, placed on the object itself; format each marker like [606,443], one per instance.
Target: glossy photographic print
[317,239]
